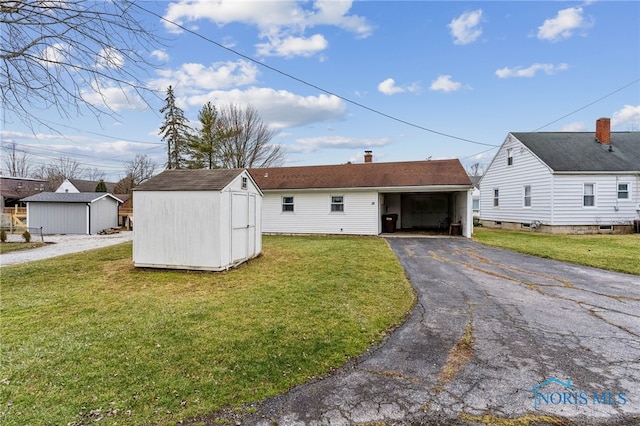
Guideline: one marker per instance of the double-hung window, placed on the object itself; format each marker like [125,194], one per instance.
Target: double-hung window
[623,191]
[287,204]
[337,203]
[589,195]
[509,156]
[496,198]
[527,196]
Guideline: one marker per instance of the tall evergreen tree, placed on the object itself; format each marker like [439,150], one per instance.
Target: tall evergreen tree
[174,131]
[101,186]
[204,145]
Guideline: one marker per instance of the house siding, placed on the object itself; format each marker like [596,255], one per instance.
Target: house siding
[510,181]
[58,218]
[608,209]
[104,214]
[312,213]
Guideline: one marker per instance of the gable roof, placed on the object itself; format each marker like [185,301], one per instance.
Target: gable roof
[190,180]
[580,152]
[363,175]
[90,185]
[69,197]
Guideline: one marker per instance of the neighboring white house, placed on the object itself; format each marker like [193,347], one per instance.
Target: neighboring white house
[564,182]
[366,198]
[79,185]
[197,219]
[72,213]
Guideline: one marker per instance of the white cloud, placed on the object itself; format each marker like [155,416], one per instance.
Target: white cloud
[531,71]
[628,115]
[160,55]
[444,84]
[109,57]
[307,145]
[466,28]
[576,126]
[283,23]
[388,87]
[563,25]
[114,97]
[55,54]
[293,46]
[278,108]
[193,78]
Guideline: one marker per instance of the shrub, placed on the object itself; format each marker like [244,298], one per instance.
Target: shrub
[3,236]
[27,236]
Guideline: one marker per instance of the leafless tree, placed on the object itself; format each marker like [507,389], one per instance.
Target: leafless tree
[94,174]
[247,142]
[71,54]
[16,161]
[59,170]
[137,171]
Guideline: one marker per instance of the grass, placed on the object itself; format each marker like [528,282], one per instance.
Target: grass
[8,247]
[613,252]
[87,338]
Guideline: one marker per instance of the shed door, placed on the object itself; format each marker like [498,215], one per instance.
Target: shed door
[239,225]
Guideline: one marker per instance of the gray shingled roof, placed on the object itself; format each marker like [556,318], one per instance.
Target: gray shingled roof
[68,197]
[190,180]
[580,152]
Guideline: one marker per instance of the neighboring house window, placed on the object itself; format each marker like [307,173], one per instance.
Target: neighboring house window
[527,195]
[623,191]
[337,203]
[287,204]
[589,195]
[476,204]
[496,197]
[509,156]
[244,182]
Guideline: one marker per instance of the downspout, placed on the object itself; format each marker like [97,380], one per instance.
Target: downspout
[88,218]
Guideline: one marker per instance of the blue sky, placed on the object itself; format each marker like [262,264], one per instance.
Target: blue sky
[413,79]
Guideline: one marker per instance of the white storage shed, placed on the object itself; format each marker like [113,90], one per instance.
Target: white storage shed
[72,213]
[197,219]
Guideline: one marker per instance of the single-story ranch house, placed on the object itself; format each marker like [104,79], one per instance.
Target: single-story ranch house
[564,182]
[366,198]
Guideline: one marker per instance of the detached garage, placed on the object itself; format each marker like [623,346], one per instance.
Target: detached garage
[72,213]
[197,219]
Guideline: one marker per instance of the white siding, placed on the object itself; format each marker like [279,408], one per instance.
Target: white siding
[312,213]
[58,218]
[608,209]
[510,181]
[67,186]
[103,214]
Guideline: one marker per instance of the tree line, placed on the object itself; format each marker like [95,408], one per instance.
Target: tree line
[229,137]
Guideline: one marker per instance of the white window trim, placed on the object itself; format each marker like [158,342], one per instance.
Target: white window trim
[584,186]
[524,197]
[509,156]
[292,204]
[628,191]
[331,204]
[496,205]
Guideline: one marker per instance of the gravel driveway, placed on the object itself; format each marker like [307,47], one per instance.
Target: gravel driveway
[537,342]
[57,245]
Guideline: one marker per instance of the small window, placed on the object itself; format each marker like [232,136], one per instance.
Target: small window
[287,204]
[476,204]
[496,197]
[337,203]
[244,182]
[527,196]
[509,156]
[623,191]
[589,195]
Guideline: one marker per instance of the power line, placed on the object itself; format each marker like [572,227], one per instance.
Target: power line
[299,80]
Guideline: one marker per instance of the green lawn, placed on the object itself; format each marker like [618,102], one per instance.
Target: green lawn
[88,337]
[614,252]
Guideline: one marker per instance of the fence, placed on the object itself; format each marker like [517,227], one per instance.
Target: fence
[14,219]
[18,234]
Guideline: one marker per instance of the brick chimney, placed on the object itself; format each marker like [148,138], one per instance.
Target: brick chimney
[368,156]
[603,130]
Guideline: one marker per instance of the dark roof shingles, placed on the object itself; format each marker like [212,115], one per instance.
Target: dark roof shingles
[190,180]
[580,152]
[66,197]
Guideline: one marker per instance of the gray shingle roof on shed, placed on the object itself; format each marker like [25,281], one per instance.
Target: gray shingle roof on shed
[68,197]
[190,180]
[580,152]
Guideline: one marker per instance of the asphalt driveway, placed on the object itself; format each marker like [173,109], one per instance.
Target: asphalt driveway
[495,335]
